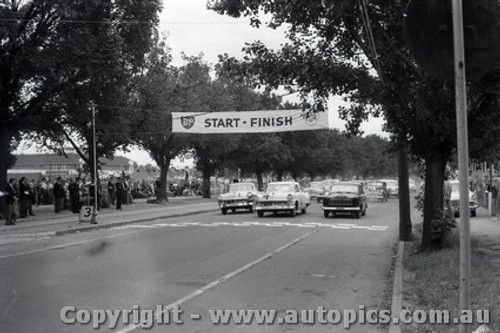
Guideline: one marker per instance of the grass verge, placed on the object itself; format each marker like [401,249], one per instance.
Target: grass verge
[431,282]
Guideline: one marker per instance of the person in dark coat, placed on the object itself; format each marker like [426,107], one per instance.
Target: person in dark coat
[120,193]
[112,190]
[74,194]
[59,195]
[24,197]
[10,199]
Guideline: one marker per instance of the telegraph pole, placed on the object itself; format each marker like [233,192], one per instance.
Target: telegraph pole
[94,159]
[463,157]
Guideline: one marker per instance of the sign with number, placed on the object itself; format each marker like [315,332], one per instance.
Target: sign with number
[86,214]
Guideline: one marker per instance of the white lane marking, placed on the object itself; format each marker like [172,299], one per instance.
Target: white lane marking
[222,279]
[272,224]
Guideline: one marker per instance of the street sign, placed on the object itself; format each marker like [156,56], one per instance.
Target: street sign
[86,214]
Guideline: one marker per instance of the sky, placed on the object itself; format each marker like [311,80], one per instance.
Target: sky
[192,29]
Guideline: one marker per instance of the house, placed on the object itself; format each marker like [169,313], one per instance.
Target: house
[35,166]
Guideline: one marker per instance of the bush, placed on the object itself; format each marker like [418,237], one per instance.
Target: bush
[441,227]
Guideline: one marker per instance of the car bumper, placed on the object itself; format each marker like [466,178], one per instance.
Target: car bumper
[274,207]
[342,209]
[237,204]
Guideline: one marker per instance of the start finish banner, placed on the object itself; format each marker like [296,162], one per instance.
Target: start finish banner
[248,121]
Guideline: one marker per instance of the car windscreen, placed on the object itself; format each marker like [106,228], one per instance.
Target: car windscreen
[280,188]
[241,187]
[375,186]
[344,188]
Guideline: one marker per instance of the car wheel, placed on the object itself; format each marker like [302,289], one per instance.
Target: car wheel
[357,214]
[293,212]
[224,211]
[260,213]
[326,213]
[473,213]
[303,210]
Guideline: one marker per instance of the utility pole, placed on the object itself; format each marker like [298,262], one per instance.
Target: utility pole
[94,159]
[463,158]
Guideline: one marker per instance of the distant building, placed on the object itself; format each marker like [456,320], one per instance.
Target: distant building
[53,165]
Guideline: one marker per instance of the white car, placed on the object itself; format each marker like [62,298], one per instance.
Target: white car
[282,197]
[240,196]
[455,199]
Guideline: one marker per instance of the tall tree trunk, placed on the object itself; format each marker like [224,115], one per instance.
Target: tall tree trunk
[5,153]
[260,180]
[161,196]
[5,139]
[435,166]
[206,184]
[404,193]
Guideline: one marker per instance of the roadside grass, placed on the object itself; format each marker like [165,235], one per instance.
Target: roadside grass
[431,282]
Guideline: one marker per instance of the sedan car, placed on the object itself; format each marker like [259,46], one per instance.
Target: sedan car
[347,198]
[325,185]
[282,197]
[314,189]
[392,187]
[240,196]
[376,190]
[455,199]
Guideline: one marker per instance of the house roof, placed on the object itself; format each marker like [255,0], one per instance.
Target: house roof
[50,159]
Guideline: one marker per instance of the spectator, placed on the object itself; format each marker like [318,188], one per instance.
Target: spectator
[59,195]
[10,199]
[32,196]
[120,194]
[74,194]
[112,190]
[24,197]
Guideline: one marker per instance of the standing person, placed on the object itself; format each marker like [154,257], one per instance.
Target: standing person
[10,199]
[126,187]
[59,195]
[112,190]
[74,194]
[32,196]
[24,197]
[120,194]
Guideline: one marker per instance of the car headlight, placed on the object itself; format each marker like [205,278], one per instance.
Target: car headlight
[473,197]
[249,195]
[290,198]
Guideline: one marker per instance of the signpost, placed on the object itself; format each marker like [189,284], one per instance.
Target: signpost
[86,214]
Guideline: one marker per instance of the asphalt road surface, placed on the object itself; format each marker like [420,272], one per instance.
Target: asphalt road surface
[194,266]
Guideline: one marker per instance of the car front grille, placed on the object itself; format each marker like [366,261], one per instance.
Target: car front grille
[340,202]
[271,203]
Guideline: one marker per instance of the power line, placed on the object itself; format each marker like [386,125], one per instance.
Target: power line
[20,20]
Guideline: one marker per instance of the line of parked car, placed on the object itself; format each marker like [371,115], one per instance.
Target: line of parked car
[337,197]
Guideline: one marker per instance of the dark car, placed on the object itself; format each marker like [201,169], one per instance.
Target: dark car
[345,198]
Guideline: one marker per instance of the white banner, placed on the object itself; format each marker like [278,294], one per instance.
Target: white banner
[248,121]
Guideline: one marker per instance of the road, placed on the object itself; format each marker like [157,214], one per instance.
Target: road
[203,262]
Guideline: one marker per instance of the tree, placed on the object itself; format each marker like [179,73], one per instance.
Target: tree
[357,49]
[159,94]
[59,58]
